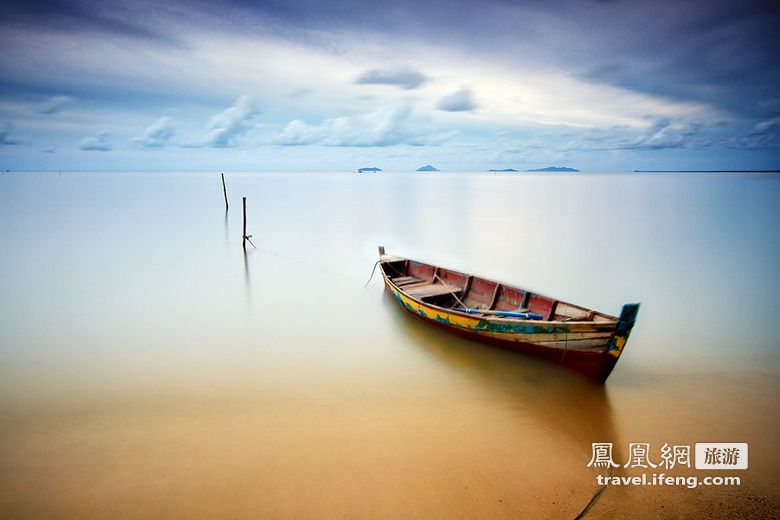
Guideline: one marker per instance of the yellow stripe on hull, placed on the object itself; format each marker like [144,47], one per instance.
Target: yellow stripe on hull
[574,336]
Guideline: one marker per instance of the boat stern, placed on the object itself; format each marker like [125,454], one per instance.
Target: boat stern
[625,323]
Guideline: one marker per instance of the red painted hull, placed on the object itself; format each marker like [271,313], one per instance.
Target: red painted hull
[593,365]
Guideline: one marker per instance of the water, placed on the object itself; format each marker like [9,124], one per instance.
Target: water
[149,368]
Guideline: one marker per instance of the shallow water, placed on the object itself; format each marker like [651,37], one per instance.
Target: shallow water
[150,368]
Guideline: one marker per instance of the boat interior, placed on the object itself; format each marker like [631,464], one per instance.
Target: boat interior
[454,290]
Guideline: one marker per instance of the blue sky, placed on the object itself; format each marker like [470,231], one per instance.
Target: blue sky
[242,85]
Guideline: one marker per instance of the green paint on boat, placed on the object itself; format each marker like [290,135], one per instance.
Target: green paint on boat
[515,328]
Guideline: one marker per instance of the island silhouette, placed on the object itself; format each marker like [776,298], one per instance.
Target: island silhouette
[554,169]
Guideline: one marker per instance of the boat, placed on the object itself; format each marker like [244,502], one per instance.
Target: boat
[581,339]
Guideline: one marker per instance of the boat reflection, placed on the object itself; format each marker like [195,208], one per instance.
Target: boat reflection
[556,399]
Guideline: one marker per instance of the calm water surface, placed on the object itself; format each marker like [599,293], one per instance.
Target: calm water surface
[149,368]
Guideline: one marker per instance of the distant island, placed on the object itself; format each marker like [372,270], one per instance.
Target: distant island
[427,168]
[706,171]
[504,170]
[367,170]
[554,169]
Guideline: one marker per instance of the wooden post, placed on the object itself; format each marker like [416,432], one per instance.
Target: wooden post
[224,190]
[243,241]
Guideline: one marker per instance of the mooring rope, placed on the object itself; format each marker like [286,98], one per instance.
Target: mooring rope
[372,273]
[593,499]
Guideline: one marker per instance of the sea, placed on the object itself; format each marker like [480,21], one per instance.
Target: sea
[151,367]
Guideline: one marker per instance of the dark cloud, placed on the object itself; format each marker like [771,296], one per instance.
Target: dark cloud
[459,101]
[767,127]
[55,104]
[5,134]
[715,51]
[100,142]
[664,134]
[765,134]
[82,15]
[405,78]
[603,73]
[712,53]
[770,106]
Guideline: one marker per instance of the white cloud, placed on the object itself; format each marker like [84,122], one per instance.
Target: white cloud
[298,133]
[766,127]
[158,134]
[100,142]
[226,129]
[383,127]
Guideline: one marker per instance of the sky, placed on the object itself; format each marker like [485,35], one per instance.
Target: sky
[599,85]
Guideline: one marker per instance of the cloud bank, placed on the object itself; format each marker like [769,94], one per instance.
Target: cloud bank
[381,128]
[338,75]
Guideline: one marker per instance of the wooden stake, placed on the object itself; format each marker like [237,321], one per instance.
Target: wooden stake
[243,242]
[224,189]
[246,238]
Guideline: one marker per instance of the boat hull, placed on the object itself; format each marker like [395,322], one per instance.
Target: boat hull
[589,348]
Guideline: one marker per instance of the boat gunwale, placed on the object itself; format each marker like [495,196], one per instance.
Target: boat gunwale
[571,325]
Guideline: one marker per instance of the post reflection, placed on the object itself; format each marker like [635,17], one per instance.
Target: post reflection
[247,278]
[227,228]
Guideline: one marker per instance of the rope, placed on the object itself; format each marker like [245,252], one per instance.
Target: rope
[595,497]
[455,295]
[592,501]
[372,273]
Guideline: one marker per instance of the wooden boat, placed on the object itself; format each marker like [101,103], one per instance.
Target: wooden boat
[584,340]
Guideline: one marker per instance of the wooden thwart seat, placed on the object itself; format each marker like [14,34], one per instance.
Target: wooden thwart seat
[430,290]
[405,280]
